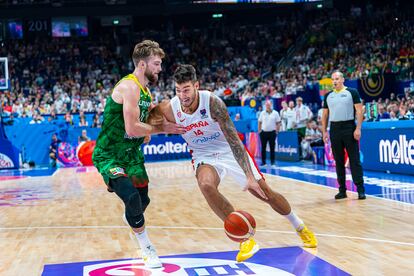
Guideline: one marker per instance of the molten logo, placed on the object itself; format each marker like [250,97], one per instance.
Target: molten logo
[397,151]
[168,147]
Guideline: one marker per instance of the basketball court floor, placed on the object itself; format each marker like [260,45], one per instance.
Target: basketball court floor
[66,223]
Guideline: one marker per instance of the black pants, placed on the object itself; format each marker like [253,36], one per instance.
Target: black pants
[268,136]
[342,137]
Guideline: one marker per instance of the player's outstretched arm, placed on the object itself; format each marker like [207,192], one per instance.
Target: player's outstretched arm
[133,126]
[160,112]
[220,114]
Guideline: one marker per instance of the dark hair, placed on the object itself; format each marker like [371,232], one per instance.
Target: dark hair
[185,73]
[145,49]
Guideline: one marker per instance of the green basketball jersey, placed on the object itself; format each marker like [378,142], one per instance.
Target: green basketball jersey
[113,142]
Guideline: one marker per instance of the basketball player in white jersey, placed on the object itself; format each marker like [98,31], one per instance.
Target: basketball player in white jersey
[217,150]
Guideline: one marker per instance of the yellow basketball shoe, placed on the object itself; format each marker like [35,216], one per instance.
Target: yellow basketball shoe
[247,249]
[307,236]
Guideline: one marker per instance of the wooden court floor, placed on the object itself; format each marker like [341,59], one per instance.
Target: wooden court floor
[73,218]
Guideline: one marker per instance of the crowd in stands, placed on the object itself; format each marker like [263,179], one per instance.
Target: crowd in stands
[367,42]
[393,108]
[68,76]
[60,75]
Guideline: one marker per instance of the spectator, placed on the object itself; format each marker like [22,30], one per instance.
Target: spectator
[84,137]
[303,114]
[290,116]
[283,116]
[237,117]
[97,121]
[382,114]
[313,138]
[37,119]
[53,150]
[11,120]
[404,115]
[82,121]
[69,118]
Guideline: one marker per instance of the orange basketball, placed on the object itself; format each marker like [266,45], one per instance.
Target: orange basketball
[239,226]
[85,151]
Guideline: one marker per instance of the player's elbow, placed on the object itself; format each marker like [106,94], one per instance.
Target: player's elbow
[130,130]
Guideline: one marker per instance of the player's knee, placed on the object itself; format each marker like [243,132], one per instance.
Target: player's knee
[207,187]
[134,204]
[135,220]
[135,211]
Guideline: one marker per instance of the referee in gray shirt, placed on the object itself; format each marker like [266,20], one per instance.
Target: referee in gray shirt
[343,106]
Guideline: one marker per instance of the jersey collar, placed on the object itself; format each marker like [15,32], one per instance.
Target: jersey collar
[341,90]
[146,91]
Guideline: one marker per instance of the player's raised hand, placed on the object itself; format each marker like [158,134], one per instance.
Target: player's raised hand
[253,185]
[172,128]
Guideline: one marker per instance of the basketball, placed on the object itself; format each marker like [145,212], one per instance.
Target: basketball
[239,226]
[85,151]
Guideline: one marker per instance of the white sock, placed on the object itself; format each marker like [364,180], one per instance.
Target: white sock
[143,239]
[295,221]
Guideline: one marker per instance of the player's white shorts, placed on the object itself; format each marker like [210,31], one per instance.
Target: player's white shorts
[226,164]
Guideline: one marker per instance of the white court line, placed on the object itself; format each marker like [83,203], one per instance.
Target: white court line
[55,172]
[335,188]
[193,228]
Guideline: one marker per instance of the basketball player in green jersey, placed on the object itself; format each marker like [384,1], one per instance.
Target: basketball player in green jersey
[117,155]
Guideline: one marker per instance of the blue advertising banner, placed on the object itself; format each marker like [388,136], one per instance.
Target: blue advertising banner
[390,150]
[287,146]
[166,148]
[9,155]
[34,140]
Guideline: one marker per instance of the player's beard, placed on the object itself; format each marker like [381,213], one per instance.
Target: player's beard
[152,78]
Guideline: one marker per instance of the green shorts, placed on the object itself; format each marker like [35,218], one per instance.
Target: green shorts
[121,163]
[136,172]
[125,162]
[133,168]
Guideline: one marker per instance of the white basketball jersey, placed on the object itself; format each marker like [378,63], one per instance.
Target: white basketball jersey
[204,135]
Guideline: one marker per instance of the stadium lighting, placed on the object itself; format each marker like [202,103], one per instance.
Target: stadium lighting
[217,15]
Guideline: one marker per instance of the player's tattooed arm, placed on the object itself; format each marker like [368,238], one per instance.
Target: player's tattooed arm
[220,114]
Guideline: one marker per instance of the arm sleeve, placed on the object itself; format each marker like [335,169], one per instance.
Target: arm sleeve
[355,96]
[325,100]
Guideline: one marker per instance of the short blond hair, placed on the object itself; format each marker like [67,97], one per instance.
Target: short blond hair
[145,49]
